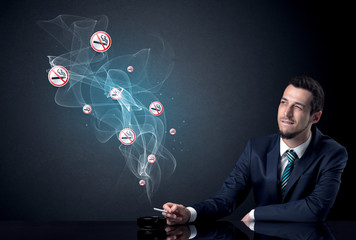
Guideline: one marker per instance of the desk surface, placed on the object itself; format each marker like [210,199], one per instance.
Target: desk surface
[213,230]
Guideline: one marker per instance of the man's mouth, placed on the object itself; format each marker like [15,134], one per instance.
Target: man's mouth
[287,121]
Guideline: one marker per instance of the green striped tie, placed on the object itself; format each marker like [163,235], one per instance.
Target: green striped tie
[291,155]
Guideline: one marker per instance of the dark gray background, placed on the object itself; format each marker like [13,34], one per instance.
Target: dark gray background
[233,60]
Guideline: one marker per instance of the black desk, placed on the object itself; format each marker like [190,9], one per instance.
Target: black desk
[215,230]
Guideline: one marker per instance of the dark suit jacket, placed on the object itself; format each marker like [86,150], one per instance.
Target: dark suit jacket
[311,189]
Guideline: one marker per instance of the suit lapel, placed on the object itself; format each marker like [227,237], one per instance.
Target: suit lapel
[304,162]
[272,169]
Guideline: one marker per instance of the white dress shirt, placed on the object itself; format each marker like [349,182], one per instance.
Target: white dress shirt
[300,150]
[283,147]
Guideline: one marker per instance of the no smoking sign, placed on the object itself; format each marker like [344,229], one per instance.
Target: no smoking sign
[87,109]
[115,94]
[127,136]
[151,158]
[100,41]
[156,108]
[58,76]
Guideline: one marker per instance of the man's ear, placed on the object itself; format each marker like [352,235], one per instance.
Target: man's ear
[316,117]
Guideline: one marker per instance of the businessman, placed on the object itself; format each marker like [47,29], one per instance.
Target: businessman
[295,175]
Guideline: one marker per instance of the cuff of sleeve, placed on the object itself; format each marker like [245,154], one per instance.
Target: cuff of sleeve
[252,215]
[193,214]
[252,218]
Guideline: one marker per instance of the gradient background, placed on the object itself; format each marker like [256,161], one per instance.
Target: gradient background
[233,60]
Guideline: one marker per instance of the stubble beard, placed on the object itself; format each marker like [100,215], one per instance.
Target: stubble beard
[290,135]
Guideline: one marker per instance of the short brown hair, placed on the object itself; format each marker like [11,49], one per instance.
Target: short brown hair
[308,83]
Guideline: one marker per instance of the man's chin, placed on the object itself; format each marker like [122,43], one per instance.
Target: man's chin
[288,135]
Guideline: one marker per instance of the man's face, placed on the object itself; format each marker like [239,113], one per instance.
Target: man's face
[294,112]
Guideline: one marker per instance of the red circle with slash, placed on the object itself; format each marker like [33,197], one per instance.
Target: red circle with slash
[87,109]
[172,131]
[100,41]
[142,182]
[115,94]
[130,69]
[58,76]
[127,136]
[151,158]
[156,108]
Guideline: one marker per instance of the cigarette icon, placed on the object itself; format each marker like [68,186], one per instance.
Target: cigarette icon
[99,43]
[158,108]
[126,137]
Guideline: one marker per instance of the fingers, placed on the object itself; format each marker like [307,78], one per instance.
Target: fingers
[173,208]
[175,213]
[167,206]
[246,218]
[172,217]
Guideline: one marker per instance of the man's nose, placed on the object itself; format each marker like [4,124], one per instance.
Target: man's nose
[289,112]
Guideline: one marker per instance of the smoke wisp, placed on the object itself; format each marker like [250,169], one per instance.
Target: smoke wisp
[137,77]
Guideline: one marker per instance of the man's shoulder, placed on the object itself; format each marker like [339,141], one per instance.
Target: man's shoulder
[326,143]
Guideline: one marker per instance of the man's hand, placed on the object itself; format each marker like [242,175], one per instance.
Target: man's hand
[246,218]
[177,213]
[247,221]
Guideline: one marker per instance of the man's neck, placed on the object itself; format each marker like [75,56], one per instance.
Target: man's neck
[297,140]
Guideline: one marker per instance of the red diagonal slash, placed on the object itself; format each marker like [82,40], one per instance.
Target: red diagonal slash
[97,35]
[158,112]
[128,138]
[59,76]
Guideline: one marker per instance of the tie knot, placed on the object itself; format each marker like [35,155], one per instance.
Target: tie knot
[291,155]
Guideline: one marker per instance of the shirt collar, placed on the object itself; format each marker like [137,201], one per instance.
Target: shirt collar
[300,150]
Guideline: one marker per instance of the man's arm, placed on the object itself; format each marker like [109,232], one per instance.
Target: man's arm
[314,207]
[177,213]
[234,191]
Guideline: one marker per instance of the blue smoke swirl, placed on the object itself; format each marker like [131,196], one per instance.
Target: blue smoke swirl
[92,75]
